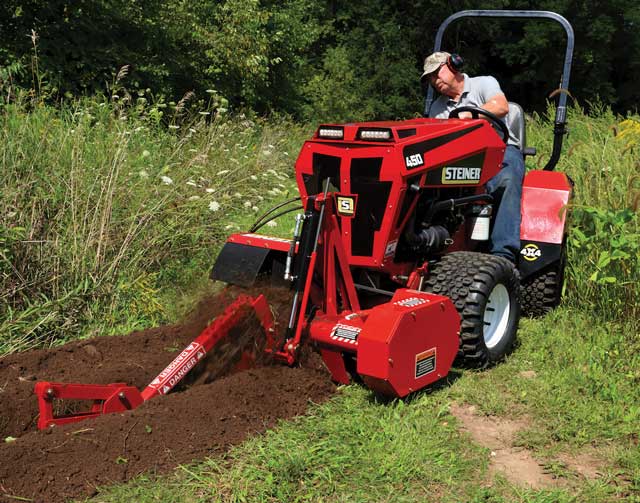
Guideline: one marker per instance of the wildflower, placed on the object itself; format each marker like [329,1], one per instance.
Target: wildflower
[230,226]
[214,205]
[270,146]
[166,180]
[193,198]
[192,183]
[237,195]
[209,190]
[173,126]
[146,153]
[266,152]
[253,177]
[143,174]
[254,208]
[272,223]
[247,204]
[260,198]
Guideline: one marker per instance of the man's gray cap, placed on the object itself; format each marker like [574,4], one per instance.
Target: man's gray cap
[433,62]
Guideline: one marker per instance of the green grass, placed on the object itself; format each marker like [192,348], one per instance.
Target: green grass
[357,449]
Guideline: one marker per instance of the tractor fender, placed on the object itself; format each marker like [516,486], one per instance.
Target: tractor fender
[245,257]
[545,196]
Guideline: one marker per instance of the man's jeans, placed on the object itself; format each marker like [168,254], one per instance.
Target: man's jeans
[506,189]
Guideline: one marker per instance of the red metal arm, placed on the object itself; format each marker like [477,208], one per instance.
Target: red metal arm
[118,397]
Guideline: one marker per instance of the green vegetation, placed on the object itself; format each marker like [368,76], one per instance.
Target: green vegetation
[107,219]
[312,59]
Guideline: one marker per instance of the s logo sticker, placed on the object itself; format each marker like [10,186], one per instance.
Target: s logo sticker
[346,206]
[531,252]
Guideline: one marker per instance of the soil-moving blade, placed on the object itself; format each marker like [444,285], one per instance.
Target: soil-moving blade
[119,397]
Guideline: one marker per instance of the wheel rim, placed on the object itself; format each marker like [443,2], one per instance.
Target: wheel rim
[496,316]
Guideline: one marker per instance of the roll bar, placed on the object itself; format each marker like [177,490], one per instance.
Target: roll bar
[560,122]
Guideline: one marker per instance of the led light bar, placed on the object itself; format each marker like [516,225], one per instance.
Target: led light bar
[375,134]
[334,133]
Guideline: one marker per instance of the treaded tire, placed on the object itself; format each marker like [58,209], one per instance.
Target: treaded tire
[541,293]
[469,279]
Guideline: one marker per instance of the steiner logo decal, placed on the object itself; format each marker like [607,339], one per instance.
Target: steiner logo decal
[531,252]
[460,175]
[346,206]
[425,362]
[413,161]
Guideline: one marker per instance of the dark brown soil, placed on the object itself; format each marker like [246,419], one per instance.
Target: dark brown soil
[203,420]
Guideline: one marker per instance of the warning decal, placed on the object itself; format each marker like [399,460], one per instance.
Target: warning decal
[425,362]
[178,368]
[345,333]
[410,302]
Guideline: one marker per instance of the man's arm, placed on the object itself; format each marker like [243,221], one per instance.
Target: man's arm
[497,105]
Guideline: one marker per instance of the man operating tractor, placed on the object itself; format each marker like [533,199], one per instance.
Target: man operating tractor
[443,71]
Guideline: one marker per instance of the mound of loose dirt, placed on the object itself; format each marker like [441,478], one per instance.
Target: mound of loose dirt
[70,461]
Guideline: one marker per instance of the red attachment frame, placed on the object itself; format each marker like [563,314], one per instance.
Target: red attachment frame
[119,397]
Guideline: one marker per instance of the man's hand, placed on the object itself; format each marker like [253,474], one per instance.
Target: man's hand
[465,115]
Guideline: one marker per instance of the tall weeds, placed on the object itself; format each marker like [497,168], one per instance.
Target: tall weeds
[103,210]
[602,157]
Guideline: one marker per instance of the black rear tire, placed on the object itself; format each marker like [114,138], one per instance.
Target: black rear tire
[541,292]
[475,281]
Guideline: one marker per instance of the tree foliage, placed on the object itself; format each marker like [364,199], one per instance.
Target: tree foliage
[330,60]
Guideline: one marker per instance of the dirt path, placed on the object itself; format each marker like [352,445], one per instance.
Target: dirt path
[203,420]
[517,464]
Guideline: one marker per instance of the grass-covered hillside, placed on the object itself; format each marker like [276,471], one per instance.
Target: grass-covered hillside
[111,216]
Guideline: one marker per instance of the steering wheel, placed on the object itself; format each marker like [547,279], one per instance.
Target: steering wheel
[475,112]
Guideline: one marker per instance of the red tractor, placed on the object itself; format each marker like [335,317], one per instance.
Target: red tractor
[388,262]
[388,266]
